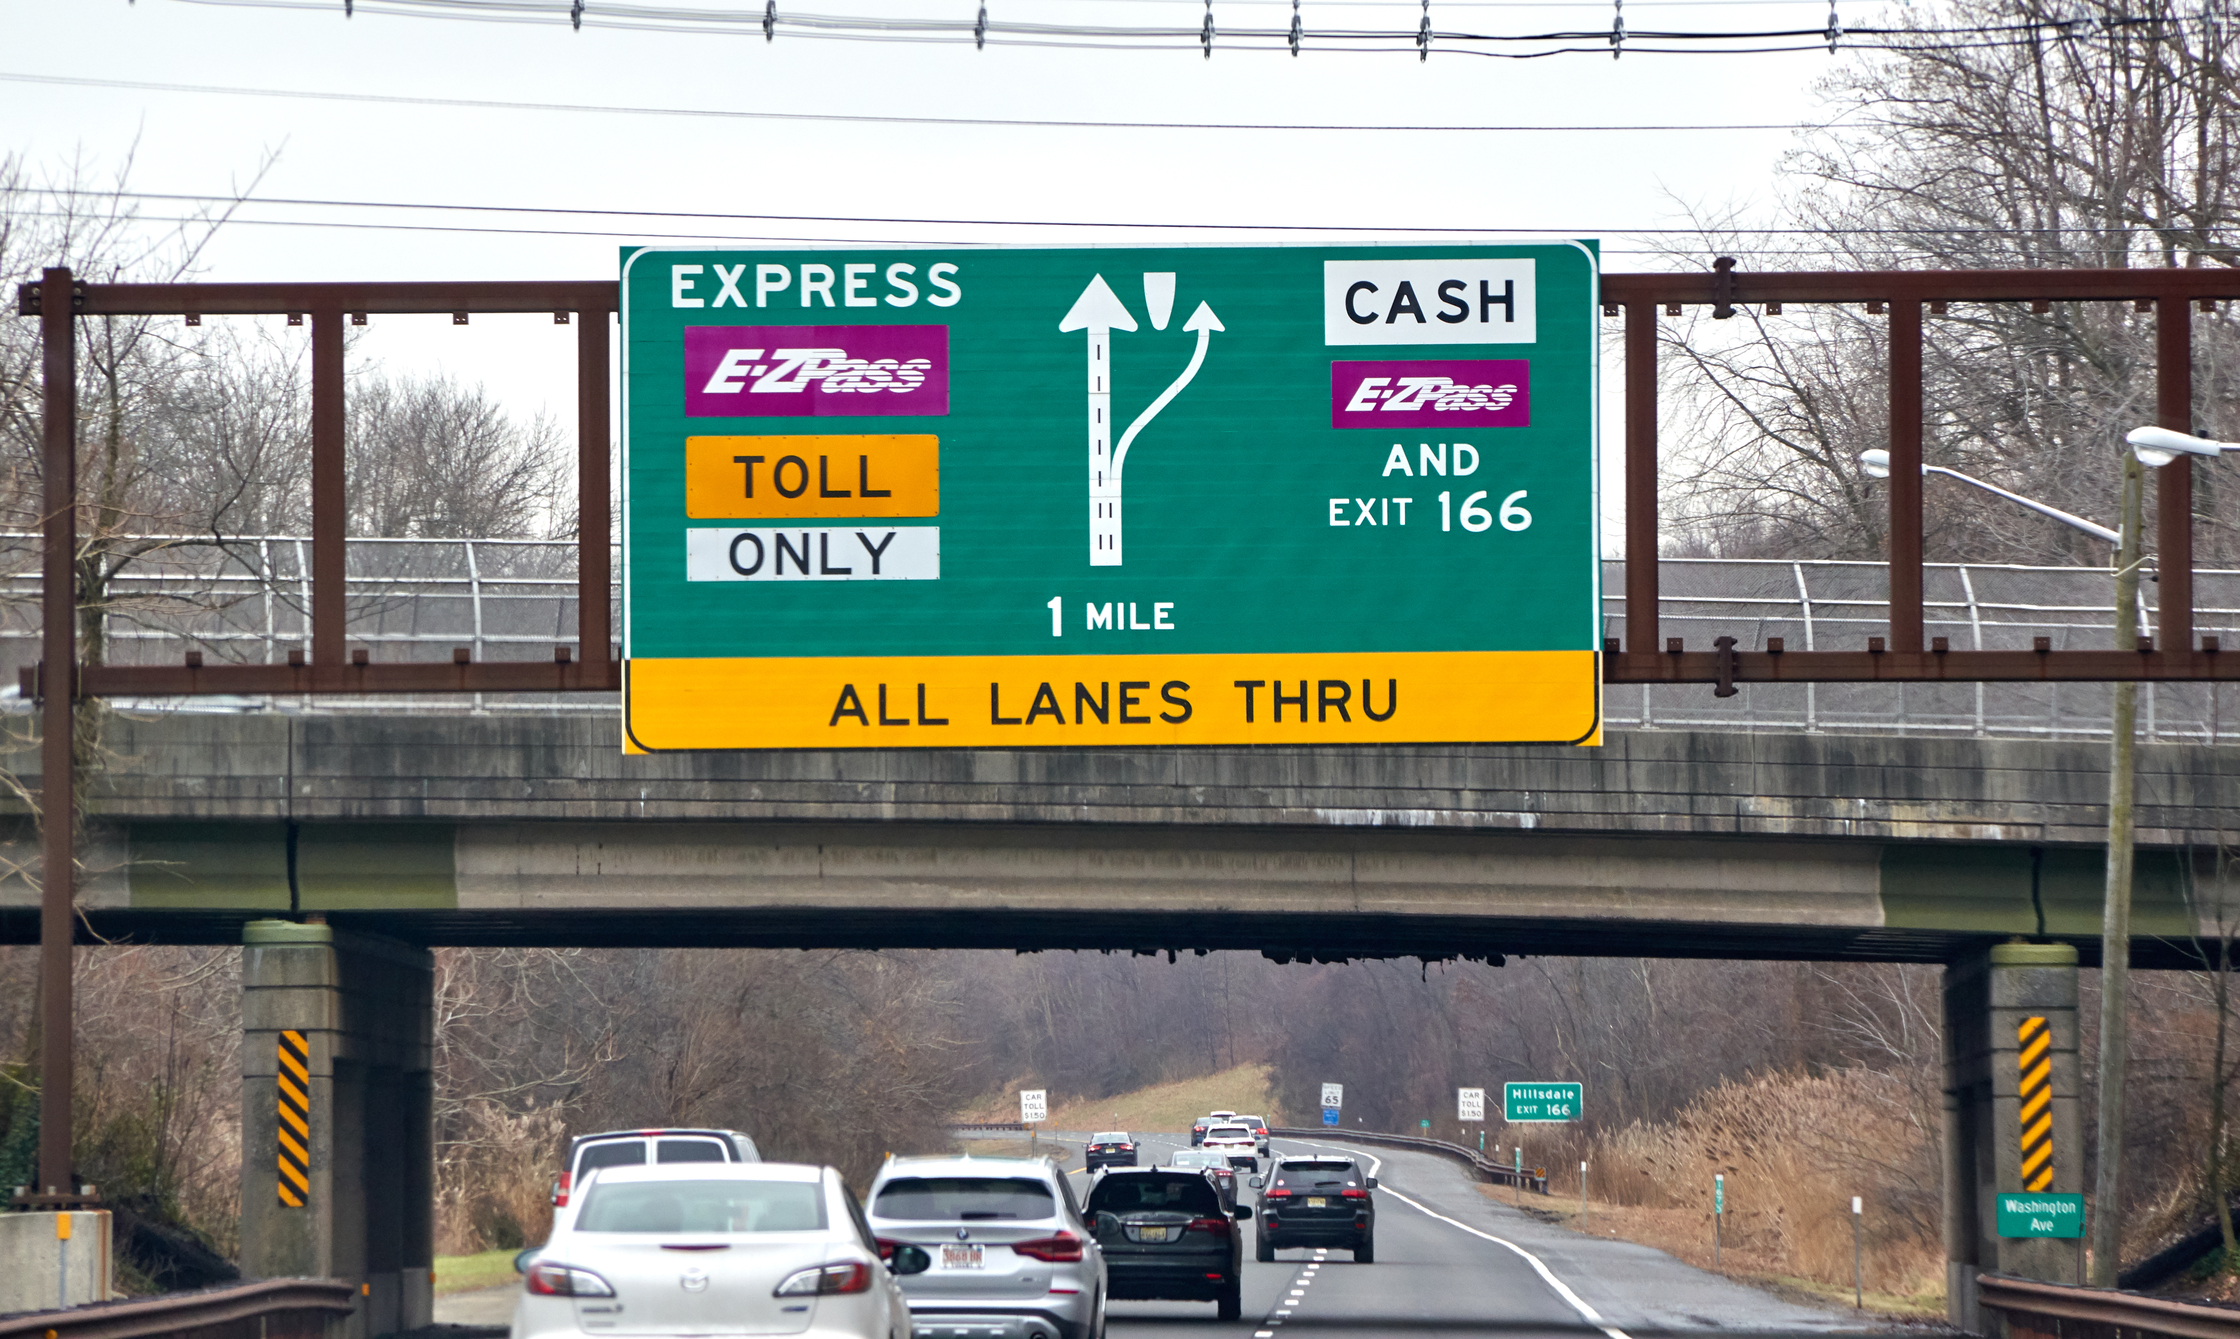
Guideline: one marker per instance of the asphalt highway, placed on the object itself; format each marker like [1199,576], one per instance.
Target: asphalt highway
[1452,1262]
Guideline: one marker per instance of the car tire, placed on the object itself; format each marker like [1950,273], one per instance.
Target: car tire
[1366,1252]
[1263,1249]
[1231,1303]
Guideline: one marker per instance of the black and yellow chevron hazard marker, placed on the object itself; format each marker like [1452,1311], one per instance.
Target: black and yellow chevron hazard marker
[2036,1061]
[295,1121]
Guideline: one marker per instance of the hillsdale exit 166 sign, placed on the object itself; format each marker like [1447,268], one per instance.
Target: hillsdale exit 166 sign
[1028,497]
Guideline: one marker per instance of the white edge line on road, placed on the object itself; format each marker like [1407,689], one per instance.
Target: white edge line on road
[1578,1303]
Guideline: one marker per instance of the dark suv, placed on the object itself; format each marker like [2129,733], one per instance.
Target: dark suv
[1317,1201]
[1165,1234]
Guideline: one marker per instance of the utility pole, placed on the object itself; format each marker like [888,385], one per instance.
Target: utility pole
[2115,925]
[58,817]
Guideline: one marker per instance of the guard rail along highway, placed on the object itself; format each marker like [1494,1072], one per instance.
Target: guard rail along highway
[266,1309]
[1484,1166]
[2034,1310]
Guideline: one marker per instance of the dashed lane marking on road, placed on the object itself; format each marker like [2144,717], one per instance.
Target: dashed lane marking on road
[1547,1275]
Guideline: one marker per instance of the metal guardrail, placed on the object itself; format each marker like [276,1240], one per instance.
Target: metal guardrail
[246,600]
[266,1309]
[2034,1310]
[987,1125]
[1484,1166]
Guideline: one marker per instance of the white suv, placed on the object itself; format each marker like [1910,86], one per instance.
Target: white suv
[1238,1142]
[1011,1256]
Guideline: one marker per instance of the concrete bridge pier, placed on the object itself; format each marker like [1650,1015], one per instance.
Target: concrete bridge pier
[1990,1000]
[337,1158]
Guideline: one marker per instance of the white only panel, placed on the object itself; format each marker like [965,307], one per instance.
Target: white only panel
[829,553]
[1429,302]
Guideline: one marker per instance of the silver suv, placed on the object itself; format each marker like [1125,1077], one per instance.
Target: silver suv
[1012,1258]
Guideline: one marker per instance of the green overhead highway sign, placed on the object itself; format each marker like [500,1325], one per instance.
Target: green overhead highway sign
[1029,496]
[1524,1102]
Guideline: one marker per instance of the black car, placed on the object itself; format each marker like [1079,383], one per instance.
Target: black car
[1165,1234]
[1317,1202]
[1113,1148]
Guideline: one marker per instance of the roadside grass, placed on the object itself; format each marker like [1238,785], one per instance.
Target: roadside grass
[1165,1108]
[465,1273]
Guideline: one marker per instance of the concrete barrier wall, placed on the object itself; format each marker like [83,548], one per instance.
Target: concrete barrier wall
[50,1260]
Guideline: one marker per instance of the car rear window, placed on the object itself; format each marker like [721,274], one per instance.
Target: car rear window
[964,1198]
[1316,1173]
[704,1206]
[1230,1132]
[1142,1194]
[689,1150]
[615,1153]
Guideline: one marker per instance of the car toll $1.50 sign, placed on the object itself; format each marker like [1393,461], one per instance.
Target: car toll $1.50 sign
[1041,497]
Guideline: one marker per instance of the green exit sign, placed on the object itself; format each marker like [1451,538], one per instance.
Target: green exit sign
[1540,1102]
[2024,1214]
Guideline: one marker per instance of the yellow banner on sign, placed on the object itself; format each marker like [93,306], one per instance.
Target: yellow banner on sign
[1414,697]
[854,476]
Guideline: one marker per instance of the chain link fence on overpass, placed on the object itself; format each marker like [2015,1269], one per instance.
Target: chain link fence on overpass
[245,599]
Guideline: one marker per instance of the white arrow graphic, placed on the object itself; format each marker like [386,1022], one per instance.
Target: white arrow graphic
[1205,323]
[1100,312]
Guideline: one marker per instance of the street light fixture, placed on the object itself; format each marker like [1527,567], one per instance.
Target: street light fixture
[1877,465]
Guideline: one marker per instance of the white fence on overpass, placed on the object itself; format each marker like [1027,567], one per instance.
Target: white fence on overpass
[246,599]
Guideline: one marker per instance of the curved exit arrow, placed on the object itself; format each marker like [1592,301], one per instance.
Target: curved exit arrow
[1205,323]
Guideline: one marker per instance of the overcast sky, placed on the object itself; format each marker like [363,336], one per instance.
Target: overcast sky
[1589,184]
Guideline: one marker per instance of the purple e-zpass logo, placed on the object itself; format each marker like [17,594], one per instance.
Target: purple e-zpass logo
[1440,393]
[815,371]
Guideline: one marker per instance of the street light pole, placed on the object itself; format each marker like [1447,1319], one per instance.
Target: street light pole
[2149,448]
[2115,921]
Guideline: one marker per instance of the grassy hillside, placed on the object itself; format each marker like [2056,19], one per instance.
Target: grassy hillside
[1165,1107]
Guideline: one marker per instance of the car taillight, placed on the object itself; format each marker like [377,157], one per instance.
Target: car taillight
[1355,1194]
[1277,1194]
[560,1190]
[825,1280]
[1056,1250]
[562,1281]
[1219,1227]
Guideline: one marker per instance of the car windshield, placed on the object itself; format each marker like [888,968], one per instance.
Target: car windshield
[964,1198]
[1315,1174]
[1122,1193]
[704,1206]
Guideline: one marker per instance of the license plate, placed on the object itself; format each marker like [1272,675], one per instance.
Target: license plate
[1153,1233]
[1318,1201]
[963,1257]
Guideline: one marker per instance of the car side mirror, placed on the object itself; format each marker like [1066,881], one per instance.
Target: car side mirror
[1242,1211]
[522,1259]
[1103,1223]
[909,1259]
[1257,1182]
[1371,1183]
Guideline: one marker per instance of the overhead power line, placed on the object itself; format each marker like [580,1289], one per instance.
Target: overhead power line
[717,113]
[1421,41]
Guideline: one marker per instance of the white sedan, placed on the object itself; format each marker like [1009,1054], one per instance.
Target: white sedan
[714,1249]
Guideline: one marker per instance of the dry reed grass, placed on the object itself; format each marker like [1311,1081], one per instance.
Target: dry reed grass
[1794,1149]
[494,1183]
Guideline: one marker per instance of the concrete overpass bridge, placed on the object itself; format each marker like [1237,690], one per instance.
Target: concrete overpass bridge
[533,828]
